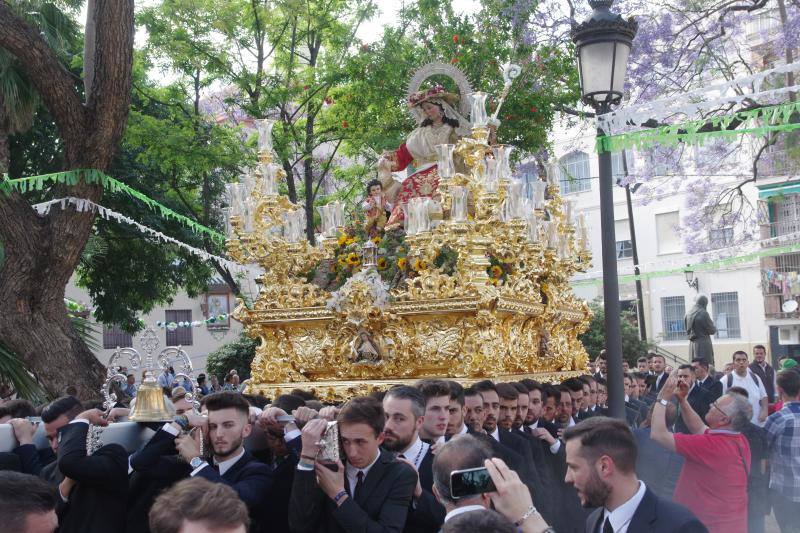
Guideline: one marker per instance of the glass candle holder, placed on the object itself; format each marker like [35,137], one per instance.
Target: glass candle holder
[532,222]
[458,209]
[514,199]
[538,189]
[269,186]
[478,114]
[502,154]
[444,155]
[264,127]
[234,199]
[553,174]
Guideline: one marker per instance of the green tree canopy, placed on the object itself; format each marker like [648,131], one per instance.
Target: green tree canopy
[594,338]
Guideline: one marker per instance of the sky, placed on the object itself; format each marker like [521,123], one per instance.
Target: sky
[372,30]
[368,32]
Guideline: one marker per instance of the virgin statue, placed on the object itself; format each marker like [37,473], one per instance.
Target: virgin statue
[439,122]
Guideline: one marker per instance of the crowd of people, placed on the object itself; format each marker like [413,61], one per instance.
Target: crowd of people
[697,451]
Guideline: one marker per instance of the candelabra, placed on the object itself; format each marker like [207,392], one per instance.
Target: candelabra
[467,322]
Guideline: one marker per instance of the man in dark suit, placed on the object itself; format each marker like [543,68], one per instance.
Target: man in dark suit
[762,369]
[227,426]
[632,409]
[601,454]
[492,409]
[659,368]
[95,487]
[542,478]
[706,381]
[405,410]
[698,398]
[370,491]
[473,424]
[55,415]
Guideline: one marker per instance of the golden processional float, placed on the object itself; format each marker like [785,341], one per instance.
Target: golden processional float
[474,285]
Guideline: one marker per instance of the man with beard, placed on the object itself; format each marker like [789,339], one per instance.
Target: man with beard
[457,410]
[473,410]
[550,397]
[491,406]
[601,465]
[564,409]
[404,408]
[226,426]
[542,477]
[437,402]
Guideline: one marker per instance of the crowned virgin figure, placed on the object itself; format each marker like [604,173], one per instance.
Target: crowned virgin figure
[438,123]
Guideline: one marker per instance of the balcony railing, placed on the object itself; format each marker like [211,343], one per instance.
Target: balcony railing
[780,281]
[778,163]
[790,229]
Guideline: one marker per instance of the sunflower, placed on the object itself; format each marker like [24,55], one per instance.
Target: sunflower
[342,239]
[350,241]
[353,259]
[419,265]
[376,239]
[382,263]
[401,263]
[496,271]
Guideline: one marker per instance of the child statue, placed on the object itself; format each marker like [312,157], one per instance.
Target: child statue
[376,209]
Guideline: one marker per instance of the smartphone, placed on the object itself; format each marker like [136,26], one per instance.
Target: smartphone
[284,418]
[34,419]
[470,482]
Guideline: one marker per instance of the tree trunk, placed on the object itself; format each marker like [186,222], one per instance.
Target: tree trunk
[42,252]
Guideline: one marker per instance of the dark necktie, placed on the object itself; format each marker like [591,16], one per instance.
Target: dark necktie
[359,482]
[607,526]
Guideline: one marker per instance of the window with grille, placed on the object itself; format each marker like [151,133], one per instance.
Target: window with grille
[114,337]
[574,173]
[624,250]
[181,336]
[673,310]
[720,237]
[725,306]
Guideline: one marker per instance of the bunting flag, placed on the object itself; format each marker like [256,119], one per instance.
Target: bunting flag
[76,307]
[96,177]
[698,267]
[753,122]
[732,92]
[82,205]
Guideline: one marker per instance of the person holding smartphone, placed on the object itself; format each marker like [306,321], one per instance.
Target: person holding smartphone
[466,478]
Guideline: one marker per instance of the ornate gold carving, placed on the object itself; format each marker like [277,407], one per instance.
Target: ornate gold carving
[460,324]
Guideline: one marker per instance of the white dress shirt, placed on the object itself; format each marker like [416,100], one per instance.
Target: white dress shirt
[415,453]
[351,473]
[459,510]
[621,517]
[496,434]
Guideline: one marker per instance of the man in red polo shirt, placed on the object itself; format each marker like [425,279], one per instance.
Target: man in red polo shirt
[713,482]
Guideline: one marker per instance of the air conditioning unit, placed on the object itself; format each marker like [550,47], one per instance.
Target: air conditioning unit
[789,335]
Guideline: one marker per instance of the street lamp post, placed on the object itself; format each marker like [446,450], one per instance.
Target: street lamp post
[603,43]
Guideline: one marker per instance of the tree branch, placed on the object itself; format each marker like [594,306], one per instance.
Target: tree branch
[41,65]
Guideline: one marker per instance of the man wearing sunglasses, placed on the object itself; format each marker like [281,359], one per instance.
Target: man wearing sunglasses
[716,454]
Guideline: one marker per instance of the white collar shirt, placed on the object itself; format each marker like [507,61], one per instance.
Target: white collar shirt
[415,453]
[225,465]
[496,434]
[352,473]
[459,510]
[621,517]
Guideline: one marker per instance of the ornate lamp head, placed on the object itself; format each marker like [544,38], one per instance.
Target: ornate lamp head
[603,44]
